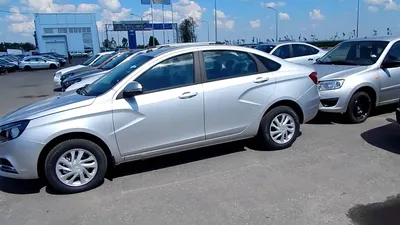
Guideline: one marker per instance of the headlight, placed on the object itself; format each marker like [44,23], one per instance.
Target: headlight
[330,85]
[11,131]
[65,76]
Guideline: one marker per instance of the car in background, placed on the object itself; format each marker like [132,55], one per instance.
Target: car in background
[249,45]
[9,60]
[169,100]
[89,62]
[76,54]
[398,113]
[296,52]
[38,62]
[9,66]
[3,69]
[122,57]
[55,54]
[62,61]
[358,75]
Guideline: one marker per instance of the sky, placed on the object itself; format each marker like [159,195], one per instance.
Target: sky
[236,19]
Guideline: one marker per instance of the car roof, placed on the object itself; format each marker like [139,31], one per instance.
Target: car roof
[106,53]
[377,38]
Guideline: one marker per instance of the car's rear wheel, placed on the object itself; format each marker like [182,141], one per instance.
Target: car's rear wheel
[53,66]
[359,107]
[27,68]
[279,128]
[75,165]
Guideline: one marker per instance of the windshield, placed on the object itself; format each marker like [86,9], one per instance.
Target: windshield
[102,59]
[90,60]
[266,48]
[357,53]
[112,78]
[115,61]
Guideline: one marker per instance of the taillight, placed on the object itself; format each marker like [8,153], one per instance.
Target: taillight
[313,76]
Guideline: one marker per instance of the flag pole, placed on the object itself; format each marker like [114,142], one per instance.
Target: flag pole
[173,29]
[152,22]
[163,21]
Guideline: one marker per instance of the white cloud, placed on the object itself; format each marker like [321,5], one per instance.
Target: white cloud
[224,22]
[284,16]
[316,15]
[255,23]
[15,16]
[387,4]
[47,6]
[273,4]
[24,28]
[111,5]
[87,7]
[391,5]
[109,16]
[373,9]
[375,2]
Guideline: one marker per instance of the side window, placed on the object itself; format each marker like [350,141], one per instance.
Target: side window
[174,72]
[282,52]
[27,60]
[300,50]
[228,64]
[394,52]
[269,64]
[312,50]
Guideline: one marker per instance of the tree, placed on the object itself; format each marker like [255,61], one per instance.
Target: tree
[124,42]
[187,30]
[153,42]
[106,43]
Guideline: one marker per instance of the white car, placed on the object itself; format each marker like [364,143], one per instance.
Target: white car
[86,81]
[89,62]
[296,52]
[38,62]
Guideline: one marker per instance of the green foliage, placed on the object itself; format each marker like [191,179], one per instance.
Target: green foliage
[124,42]
[106,43]
[187,30]
[24,46]
[151,43]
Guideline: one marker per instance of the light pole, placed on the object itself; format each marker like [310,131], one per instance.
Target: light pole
[276,25]
[141,18]
[208,28]
[216,25]
[358,16]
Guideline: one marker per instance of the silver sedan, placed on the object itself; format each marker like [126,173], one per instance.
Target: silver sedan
[160,102]
[38,62]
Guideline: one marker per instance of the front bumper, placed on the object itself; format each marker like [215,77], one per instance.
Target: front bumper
[19,158]
[333,101]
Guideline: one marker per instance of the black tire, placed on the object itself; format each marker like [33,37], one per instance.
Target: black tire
[27,68]
[359,108]
[53,66]
[264,136]
[63,147]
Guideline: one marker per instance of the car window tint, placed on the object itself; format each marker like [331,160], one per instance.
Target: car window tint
[174,72]
[300,50]
[265,48]
[269,64]
[227,64]
[312,50]
[394,52]
[282,52]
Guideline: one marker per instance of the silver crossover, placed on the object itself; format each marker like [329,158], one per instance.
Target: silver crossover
[296,52]
[163,101]
[358,75]
[38,62]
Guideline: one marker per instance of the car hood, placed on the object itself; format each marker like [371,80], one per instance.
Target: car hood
[84,74]
[59,103]
[328,72]
[88,80]
[66,70]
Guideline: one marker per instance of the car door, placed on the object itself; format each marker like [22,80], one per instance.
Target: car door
[169,113]
[389,78]
[237,87]
[302,54]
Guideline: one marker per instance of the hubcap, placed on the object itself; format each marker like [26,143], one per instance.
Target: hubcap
[361,107]
[76,167]
[282,128]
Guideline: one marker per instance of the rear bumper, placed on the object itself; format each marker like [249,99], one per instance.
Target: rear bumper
[309,103]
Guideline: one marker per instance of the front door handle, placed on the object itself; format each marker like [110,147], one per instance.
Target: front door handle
[261,79]
[310,59]
[187,95]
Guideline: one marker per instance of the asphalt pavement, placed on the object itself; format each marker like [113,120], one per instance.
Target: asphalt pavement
[334,174]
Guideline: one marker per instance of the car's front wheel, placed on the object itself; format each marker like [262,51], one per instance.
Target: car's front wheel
[75,166]
[279,128]
[359,108]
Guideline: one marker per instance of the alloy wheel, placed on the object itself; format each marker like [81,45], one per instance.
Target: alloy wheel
[282,128]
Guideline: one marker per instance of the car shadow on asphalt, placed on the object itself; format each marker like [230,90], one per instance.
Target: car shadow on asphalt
[385,137]
[21,187]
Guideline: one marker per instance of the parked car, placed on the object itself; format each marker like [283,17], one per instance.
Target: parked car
[77,54]
[359,75]
[3,69]
[398,113]
[122,57]
[296,52]
[164,101]
[55,54]
[62,61]
[11,61]
[38,62]
[249,45]
[89,62]
[10,67]
[86,81]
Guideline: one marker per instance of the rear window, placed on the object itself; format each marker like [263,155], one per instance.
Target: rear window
[102,59]
[90,60]
[265,48]
[268,63]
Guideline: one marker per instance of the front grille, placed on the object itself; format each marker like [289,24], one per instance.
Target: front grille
[6,166]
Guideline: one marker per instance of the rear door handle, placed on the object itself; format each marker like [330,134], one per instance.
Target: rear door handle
[187,95]
[261,79]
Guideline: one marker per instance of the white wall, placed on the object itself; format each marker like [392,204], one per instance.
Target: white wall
[58,23]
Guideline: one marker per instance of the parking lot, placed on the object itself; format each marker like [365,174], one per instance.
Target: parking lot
[332,175]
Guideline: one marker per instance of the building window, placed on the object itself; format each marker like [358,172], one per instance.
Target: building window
[48,30]
[76,30]
[62,30]
[71,30]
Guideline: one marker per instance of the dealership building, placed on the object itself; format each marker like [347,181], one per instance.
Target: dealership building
[66,32]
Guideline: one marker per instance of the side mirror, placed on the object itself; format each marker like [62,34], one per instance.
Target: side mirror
[132,89]
[390,63]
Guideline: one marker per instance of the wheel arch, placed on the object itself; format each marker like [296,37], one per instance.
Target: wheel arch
[370,90]
[72,135]
[290,103]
